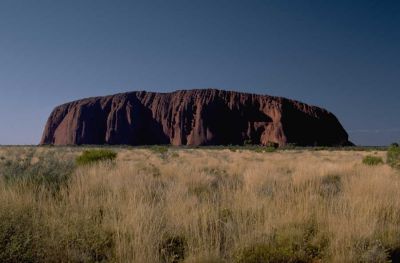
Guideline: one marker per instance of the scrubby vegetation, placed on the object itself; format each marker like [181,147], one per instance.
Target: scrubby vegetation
[94,156]
[393,156]
[197,205]
[45,171]
[294,243]
[372,160]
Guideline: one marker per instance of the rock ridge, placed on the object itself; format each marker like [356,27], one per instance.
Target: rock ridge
[192,117]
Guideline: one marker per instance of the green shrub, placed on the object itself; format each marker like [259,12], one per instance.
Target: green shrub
[20,237]
[264,253]
[94,156]
[27,234]
[159,149]
[269,149]
[274,145]
[393,156]
[88,241]
[172,249]
[372,160]
[261,149]
[296,243]
[48,172]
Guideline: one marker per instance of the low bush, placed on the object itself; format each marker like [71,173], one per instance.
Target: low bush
[372,160]
[270,149]
[48,172]
[94,156]
[274,145]
[20,239]
[28,234]
[159,149]
[264,252]
[261,149]
[393,156]
[88,241]
[297,243]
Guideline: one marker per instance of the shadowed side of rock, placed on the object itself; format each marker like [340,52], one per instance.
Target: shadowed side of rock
[192,117]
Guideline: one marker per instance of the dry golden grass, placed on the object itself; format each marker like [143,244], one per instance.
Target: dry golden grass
[214,205]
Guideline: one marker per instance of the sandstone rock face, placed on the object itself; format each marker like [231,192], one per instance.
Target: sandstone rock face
[192,117]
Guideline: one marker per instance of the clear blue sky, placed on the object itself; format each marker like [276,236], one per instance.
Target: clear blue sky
[341,55]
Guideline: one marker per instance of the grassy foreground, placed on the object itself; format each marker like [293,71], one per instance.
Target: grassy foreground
[198,205]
